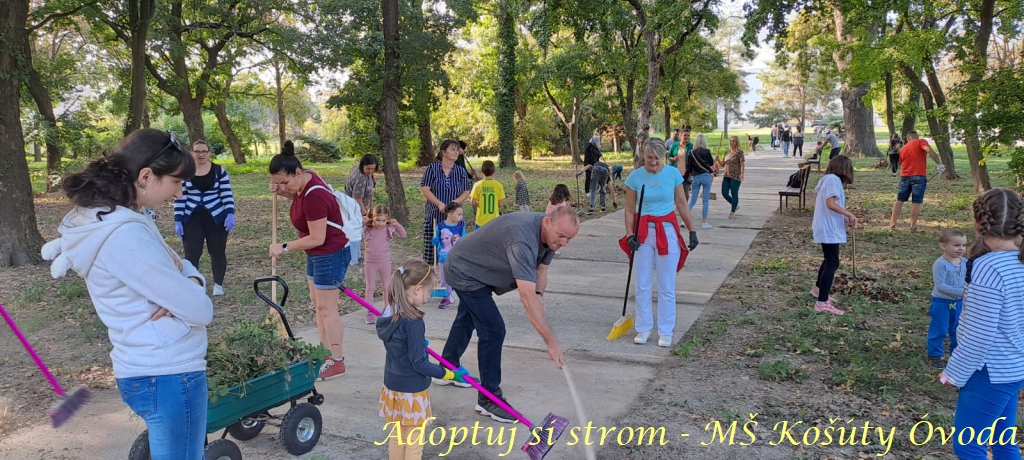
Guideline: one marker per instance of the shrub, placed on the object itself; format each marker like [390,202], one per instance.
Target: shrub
[317,150]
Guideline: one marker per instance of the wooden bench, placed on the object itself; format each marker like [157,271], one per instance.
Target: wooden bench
[814,161]
[799,193]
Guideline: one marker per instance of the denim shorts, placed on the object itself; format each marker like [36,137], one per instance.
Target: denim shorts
[328,270]
[912,187]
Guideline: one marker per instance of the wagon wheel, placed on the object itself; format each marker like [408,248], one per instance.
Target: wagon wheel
[300,429]
[246,429]
[140,448]
[223,449]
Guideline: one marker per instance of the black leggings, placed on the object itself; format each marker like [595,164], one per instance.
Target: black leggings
[798,147]
[827,270]
[201,228]
[894,162]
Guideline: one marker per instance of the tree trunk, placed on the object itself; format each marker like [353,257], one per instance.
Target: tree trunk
[939,129]
[44,104]
[426,140]
[389,112]
[140,12]
[282,121]
[978,60]
[506,91]
[525,141]
[221,110]
[20,240]
[860,132]
[574,142]
[37,154]
[192,113]
[668,117]
[910,115]
[889,119]
[643,124]
[626,106]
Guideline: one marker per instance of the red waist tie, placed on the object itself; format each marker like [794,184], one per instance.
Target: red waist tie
[659,230]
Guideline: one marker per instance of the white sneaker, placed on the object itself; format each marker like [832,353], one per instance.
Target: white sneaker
[641,338]
[218,290]
[450,382]
[665,341]
[706,225]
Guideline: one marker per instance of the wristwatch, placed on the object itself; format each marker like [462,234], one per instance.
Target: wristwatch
[539,293]
[284,247]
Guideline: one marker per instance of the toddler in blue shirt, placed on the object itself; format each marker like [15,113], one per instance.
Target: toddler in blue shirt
[948,273]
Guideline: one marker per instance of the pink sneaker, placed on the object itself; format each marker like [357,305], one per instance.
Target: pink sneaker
[827,307]
[815,292]
[371,318]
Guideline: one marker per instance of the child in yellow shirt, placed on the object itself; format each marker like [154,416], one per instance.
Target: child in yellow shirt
[487,195]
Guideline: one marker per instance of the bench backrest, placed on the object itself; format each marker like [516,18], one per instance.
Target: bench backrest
[805,175]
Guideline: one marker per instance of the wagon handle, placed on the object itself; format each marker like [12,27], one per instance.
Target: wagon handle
[284,297]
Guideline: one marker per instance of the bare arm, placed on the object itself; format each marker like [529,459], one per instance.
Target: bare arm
[317,236]
[461,198]
[833,204]
[431,198]
[630,210]
[542,278]
[931,153]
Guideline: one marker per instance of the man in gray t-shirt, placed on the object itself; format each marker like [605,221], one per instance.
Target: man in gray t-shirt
[833,140]
[511,252]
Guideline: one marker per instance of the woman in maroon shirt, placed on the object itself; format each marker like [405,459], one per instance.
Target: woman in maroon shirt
[327,257]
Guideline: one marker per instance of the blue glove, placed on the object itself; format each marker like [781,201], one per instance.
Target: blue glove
[426,343]
[179,229]
[634,243]
[693,241]
[460,374]
[229,223]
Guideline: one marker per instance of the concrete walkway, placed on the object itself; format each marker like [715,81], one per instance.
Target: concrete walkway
[584,299]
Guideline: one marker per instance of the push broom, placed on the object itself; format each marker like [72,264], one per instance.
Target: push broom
[625,323]
[69,402]
[538,445]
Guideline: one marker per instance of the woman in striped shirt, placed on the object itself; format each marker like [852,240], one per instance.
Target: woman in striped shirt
[988,362]
[205,213]
[443,182]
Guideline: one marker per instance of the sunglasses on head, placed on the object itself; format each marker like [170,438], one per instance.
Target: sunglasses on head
[173,143]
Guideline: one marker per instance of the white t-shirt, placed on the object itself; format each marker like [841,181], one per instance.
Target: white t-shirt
[828,226]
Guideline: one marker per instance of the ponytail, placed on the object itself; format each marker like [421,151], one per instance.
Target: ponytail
[412,272]
[286,161]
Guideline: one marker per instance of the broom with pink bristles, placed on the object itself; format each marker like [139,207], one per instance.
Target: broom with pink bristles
[69,402]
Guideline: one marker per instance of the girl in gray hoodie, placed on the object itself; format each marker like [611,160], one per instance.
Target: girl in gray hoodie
[152,301]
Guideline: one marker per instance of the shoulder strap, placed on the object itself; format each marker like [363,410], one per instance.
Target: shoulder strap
[332,224]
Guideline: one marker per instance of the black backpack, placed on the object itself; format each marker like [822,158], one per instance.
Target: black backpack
[794,180]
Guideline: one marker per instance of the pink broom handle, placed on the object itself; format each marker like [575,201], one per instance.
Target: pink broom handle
[39,362]
[449,365]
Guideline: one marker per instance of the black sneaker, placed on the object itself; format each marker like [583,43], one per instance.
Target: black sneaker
[590,212]
[936,362]
[488,408]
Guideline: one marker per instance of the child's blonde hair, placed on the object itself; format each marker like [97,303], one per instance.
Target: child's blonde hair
[411,273]
[518,175]
[948,234]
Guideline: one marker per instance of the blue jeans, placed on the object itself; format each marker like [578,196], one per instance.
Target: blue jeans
[478,311]
[701,181]
[354,251]
[785,149]
[945,315]
[174,408]
[912,187]
[978,406]
[328,270]
[731,192]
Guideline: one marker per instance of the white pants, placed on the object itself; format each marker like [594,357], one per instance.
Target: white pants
[524,208]
[647,259]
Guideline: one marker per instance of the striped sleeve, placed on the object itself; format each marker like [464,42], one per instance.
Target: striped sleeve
[979,323]
[179,204]
[428,176]
[227,197]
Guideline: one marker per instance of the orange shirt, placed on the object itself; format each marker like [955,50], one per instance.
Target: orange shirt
[914,158]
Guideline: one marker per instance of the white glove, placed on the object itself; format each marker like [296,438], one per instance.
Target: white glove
[941,168]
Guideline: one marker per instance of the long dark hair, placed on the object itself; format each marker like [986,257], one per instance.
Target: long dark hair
[110,181]
[367,160]
[444,146]
[286,160]
[561,193]
[841,166]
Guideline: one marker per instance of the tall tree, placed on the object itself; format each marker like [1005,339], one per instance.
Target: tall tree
[665,26]
[389,111]
[506,91]
[20,240]
[140,13]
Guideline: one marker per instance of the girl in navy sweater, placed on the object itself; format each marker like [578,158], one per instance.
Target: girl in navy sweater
[205,213]
[404,400]
[988,362]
